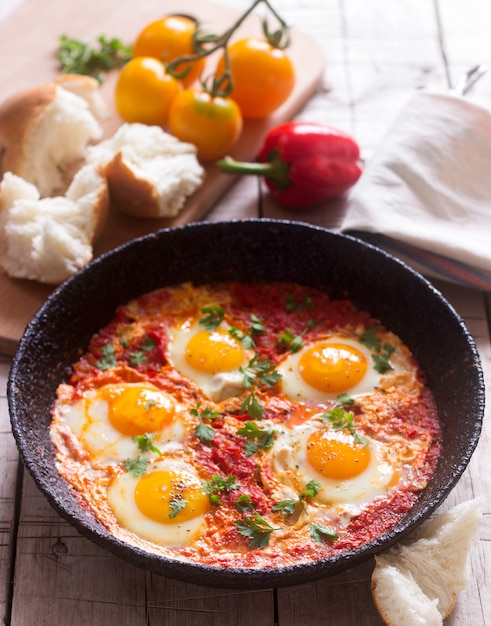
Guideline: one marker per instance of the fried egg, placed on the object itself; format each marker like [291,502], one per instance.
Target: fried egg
[349,472]
[106,419]
[166,505]
[211,359]
[327,368]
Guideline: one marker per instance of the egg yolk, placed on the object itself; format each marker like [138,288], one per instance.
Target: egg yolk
[135,410]
[337,457]
[215,351]
[170,497]
[332,367]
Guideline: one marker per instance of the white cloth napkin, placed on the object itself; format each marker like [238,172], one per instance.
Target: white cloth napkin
[425,195]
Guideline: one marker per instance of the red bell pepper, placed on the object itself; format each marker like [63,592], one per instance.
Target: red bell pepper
[303,163]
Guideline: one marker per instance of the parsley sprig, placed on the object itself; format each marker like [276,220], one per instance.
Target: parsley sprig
[295,305]
[256,327]
[108,359]
[219,484]
[256,438]
[318,533]
[212,317]
[256,529]
[344,420]
[383,352]
[256,373]
[137,467]
[203,431]
[260,372]
[145,443]
[289,506]
[78,56]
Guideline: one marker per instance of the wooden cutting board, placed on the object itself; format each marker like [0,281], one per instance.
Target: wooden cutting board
[29,38]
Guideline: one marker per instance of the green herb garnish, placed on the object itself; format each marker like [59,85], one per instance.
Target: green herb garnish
[204,432]
[343,420]
[260,372]
[256,529]
[212,318]
[138,358]
[145,443]
[292,304]
[319,533]
[289,341]
[289,506]
[136,467]
[256,438]
[176,504]
[244,503]
[219,484]
[77,56]
[108,359]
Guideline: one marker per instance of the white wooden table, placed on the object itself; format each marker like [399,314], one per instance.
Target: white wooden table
[377,53]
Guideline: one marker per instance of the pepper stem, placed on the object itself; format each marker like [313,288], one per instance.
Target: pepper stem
[275,169]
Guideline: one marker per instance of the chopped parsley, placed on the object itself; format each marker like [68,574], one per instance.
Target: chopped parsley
[204,432]
[77,56]
[292,304]
[343,420]
[219,484]
[176,504]
[257,372]
[252,406]
[212,318]
[145,443]
[244,503]
[319,533]
[256,438]
[260,372]
[289,341]
[289,506]
[383,352]
[138,358]
[256,327]
[136,467]
[381,361]
[108,358]
[256,529]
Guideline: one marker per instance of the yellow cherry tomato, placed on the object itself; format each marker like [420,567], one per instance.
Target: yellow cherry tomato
[263,76]
[144,92]
[167,39]
[212,123]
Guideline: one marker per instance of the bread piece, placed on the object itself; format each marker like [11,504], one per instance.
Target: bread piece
[418,584]
[49,239]
[44,131]
[150,173]
[87,88]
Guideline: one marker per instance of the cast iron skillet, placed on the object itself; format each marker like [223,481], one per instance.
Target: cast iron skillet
[247,250]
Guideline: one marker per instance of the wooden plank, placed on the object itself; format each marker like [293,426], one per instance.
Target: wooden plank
[8,471]
[20,299]
[63,579]
[67,580]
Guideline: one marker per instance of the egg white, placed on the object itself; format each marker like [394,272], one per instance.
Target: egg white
[121,499]
[217,385]
[89,422]
[297,389]
[289,462]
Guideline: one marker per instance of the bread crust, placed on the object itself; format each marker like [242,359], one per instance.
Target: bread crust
[18,114]
[129,194]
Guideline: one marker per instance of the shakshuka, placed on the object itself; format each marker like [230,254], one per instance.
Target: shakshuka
[245,426]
